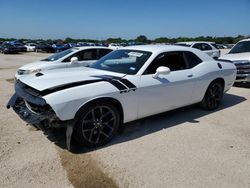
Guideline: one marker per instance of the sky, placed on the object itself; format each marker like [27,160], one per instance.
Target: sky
[102,19]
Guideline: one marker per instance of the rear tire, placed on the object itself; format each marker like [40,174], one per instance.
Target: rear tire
[213,96]
[97,125]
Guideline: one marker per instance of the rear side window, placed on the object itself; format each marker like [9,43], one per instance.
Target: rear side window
[197,46]
[192,59]
[103,52]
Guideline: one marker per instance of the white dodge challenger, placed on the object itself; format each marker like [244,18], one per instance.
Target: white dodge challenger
[125,85]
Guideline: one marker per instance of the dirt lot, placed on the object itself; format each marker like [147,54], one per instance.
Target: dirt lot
[184,148]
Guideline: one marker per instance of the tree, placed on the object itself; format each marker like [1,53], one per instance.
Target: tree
[141,39]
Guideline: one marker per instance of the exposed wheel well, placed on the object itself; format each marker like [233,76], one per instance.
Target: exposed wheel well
[221,80]
[113,101]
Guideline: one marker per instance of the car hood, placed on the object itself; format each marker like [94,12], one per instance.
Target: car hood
[35,65]
[236,56]
[60,77]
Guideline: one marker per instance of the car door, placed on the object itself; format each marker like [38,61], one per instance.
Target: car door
[167,91]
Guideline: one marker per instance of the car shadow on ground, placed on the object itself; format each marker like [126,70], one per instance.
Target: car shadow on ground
[149,125]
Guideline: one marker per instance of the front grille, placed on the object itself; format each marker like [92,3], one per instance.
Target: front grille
[242,68]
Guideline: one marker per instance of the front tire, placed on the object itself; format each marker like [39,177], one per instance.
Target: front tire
[97,125]
[213,96]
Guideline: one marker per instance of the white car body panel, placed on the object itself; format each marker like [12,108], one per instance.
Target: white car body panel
[237,57]
[151,96]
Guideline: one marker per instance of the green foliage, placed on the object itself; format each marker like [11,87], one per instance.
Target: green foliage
[141,39]
[144,39]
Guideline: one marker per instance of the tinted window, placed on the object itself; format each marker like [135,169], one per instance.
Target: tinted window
[197,46]
[173,60]
[241,47]
[192,59]
[103,52]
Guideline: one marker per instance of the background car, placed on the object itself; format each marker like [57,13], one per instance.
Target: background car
[73,57]
[240,56]
[60,47]
[209,48]
[44,47]
[6,48]
[31,47]
[20,47]
[123,86]
[114,46]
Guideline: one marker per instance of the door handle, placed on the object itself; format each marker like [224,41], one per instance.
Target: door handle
[190,75]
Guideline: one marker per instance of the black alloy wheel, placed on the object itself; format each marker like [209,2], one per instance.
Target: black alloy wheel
[213,96]
[97,125]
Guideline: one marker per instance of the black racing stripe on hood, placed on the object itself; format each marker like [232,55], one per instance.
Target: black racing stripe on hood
[67,86]
[107,78]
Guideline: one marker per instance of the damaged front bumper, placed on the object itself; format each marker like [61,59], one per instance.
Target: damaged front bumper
[34,110]
[39,116]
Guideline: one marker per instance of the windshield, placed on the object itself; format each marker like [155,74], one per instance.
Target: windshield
[59,55]
[123,61]
[241,47]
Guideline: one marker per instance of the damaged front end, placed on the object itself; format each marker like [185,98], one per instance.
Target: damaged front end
[33,109]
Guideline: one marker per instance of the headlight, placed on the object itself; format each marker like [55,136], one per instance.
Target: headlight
[34,71]
[21,72]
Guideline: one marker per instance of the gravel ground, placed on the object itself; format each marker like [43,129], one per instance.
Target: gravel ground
[183,148]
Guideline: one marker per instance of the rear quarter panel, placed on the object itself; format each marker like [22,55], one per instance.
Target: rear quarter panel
[208,71]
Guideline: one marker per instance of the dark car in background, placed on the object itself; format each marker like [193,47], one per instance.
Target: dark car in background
[20,47]
[60,47]
[43,47]
[7,48]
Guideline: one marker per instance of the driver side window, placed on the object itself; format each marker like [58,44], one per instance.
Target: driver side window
[173,60]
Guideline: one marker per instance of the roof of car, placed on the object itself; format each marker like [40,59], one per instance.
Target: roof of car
[92,47]
[245,40]
[157,49]
[193,42]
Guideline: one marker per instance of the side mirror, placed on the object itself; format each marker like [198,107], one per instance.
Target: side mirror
[161,70]
[73,60]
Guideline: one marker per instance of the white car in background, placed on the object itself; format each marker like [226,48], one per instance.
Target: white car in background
[73,57]
[114,46]
[209,48]
[31,47]
[125,85]
[240,56]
